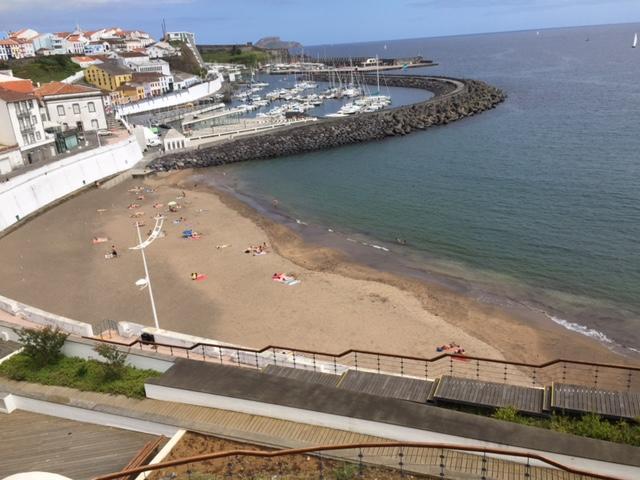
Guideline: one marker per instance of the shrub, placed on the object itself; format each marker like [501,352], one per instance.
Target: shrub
[87,375]
[114,366]
[346,471]
[508,414]
[42,346]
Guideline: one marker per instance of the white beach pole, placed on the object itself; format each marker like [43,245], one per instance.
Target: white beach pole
[141,246]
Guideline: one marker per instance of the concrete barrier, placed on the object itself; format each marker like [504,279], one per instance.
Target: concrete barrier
[41,317]
[35,189]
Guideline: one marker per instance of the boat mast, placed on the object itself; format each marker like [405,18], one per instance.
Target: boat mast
[378,74]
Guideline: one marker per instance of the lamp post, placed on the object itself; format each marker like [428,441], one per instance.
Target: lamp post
[146,282]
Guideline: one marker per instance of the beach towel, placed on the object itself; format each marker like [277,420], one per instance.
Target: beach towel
[200,277]
[255,254]
[223,246]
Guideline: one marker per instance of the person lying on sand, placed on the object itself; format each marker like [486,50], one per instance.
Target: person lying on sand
[140,197]
[198,276]
[225,245]
[136,215]
[133,205]
[96,240]
[450,346]
[158,205]
[257,249]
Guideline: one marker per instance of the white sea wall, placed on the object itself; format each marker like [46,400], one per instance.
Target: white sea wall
[173,99]
[27,193]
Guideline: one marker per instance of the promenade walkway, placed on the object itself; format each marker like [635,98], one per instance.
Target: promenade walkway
[276,433]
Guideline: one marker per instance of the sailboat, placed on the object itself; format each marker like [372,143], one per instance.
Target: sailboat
[635,41]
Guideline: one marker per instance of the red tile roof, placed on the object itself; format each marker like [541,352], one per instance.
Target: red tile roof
[8,42]
[20,85]
[59,88]
[14,96]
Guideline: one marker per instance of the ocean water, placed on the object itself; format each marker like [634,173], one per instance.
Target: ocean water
[535,203]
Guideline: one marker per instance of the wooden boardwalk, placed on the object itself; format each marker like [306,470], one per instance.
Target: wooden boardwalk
[269,432]
[464,391]
[611,404]
[31,441]
[404,388]
[327,379]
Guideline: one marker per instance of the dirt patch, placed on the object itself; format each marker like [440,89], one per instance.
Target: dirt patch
[247,467]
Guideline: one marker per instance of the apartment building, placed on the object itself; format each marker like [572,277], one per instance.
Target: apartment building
[73,106]
[108,75]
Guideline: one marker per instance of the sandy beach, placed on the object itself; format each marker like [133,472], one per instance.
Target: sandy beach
[51,263]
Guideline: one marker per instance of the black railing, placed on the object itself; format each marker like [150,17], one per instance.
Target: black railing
[590,374]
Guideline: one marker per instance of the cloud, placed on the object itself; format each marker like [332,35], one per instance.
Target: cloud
[75,5]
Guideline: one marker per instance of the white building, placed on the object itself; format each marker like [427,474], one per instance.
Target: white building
[58,43]
[43,42]
[21,125]
[73,106]
[188,37]
[10,49]
[174,140]
[182,80]
[25,34]
[10,158]
[26,48]
[84,62]
[161,50]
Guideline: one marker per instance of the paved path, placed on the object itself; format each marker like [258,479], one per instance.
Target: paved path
[270,432]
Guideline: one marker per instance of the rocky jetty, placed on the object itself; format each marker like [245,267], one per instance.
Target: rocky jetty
[453,100]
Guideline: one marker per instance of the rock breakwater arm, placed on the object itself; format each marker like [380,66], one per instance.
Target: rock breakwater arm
[453,100]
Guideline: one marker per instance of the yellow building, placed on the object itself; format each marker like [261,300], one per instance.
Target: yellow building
[108,75]
[127,93]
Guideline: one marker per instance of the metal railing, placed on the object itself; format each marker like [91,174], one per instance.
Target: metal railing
[383,460]
[588,374]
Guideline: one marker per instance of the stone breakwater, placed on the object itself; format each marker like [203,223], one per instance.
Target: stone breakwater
[453,100]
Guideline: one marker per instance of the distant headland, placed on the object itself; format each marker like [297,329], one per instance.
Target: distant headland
[275,43]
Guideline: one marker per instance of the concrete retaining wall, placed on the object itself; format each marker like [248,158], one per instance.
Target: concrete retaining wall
[191,94]
[41,317]
[35,189]
[454,99]
[83,348]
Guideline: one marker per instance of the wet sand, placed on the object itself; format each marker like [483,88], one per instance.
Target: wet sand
[51,263]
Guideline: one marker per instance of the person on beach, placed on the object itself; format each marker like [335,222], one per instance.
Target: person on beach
[114,252]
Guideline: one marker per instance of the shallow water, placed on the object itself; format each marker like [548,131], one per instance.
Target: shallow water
[536,202]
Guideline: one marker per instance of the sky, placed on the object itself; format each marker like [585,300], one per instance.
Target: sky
[314,22]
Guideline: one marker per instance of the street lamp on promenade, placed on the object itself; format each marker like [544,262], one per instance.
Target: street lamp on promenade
[146,281]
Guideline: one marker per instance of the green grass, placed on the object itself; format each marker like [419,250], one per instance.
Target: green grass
[43,69]
[589,425]
[249,59]
[86,375]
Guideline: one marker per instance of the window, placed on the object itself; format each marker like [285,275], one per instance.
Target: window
[32,139]
[61,110]
[94,124]
[38,136]
[92,106]
[34,120]
[76,108]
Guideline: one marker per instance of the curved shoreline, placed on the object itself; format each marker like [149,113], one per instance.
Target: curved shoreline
[506,329]
[453,100]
